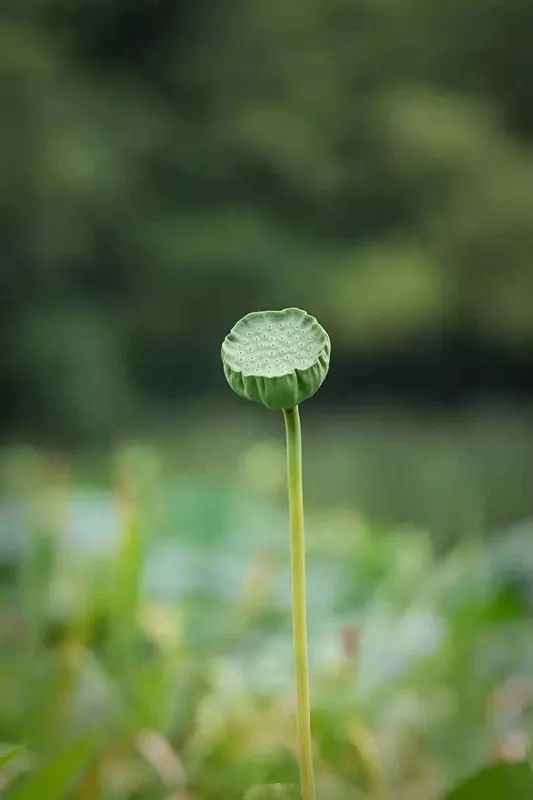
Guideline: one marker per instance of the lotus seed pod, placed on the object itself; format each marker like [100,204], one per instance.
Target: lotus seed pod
[277,358]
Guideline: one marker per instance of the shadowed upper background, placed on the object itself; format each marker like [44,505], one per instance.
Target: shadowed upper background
[166,167]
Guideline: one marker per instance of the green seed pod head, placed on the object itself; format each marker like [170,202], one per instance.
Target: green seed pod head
[278,358]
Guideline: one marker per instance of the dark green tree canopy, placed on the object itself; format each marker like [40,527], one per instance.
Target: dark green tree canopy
[371,161]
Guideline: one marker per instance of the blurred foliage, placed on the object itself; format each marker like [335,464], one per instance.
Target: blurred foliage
[146,648]
[271,792]
[503,780]
[57,775]
[369,160]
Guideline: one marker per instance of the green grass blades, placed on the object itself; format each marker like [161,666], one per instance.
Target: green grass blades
[272,791]
[51,780]
[497,782]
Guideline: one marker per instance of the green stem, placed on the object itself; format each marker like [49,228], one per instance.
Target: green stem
[299,612]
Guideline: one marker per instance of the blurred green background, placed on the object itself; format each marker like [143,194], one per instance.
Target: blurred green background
[166,167]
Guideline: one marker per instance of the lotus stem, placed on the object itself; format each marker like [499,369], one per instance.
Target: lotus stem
[299,602]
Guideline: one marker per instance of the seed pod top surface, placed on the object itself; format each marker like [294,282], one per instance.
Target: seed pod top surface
[278,358]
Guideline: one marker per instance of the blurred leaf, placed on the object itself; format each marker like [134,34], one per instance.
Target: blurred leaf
[384,291]
[52,779]
[126,588]
[512,781]
[9,752]
[272,791]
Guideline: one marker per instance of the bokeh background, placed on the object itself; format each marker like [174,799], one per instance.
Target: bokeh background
[166,167]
